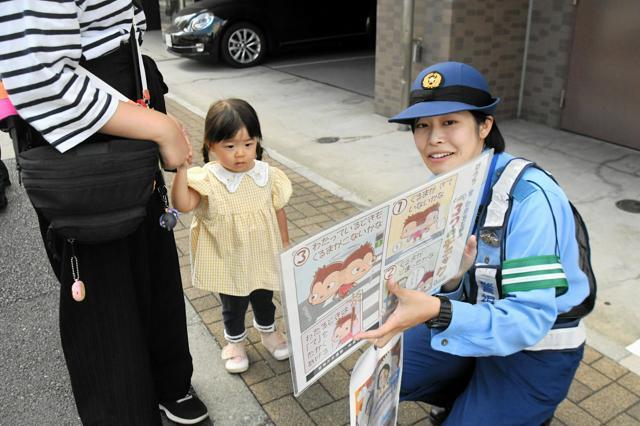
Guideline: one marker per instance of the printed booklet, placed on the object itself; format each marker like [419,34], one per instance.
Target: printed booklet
[333,284]
[374,388]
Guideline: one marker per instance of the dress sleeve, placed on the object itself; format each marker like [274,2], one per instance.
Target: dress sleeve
[523,316]
[198,179]
[41,47]
[280,188]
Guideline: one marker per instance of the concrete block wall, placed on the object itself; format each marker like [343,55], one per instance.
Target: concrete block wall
[388,70]
[432,24]
[490,35]
[552,26]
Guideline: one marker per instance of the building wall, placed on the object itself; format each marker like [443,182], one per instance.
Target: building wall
[552,25]
[388,57]
[490,35]
[432,24]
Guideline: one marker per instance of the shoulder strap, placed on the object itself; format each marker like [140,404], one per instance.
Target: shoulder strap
[500,202]
[140,77]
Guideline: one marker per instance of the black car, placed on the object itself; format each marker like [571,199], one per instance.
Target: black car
[243,31]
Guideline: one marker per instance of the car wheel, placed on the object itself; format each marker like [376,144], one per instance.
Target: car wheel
[243,45]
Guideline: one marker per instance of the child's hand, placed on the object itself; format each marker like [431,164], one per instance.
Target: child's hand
[184,166]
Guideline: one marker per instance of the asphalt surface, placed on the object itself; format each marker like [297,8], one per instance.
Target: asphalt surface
[35,382]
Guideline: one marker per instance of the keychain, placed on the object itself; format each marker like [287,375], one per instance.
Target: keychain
[77,288]
[168,219]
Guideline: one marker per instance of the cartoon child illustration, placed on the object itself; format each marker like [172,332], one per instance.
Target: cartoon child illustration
[425,281]
[416,225]
[356,266]
[337,279]
[345,329]
[326,283]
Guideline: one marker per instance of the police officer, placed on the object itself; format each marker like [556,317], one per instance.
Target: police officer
[493,346]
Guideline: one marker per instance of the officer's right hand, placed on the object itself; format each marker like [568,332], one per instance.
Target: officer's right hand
[414,307]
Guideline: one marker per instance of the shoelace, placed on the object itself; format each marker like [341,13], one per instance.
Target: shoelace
[186,398]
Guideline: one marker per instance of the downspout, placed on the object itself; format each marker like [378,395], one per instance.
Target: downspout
[524,60]
[406,46]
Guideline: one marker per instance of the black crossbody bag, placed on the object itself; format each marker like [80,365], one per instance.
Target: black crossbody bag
[97,191]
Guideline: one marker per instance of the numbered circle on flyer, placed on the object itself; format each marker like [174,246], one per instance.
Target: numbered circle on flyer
[301,256]
[389,273]
[399,206]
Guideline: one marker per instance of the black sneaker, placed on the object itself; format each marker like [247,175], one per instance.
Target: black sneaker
[3,198]
[186,411]
[438,415]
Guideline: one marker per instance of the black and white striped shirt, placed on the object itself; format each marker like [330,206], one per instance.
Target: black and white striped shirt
[41,43]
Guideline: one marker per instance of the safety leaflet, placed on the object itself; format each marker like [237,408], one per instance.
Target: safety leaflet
[333,284]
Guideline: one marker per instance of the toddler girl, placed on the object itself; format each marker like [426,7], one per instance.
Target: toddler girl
[239,226]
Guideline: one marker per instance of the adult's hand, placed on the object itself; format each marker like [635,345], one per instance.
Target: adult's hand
[184,132]
[468,259]
[414,307]
[175,148]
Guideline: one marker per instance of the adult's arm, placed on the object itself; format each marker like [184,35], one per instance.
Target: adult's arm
[41,47]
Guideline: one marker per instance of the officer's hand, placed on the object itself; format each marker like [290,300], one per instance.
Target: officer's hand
[469,256]
[467,261]
[414,307]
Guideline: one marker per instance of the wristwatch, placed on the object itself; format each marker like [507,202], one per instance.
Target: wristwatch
[443,319]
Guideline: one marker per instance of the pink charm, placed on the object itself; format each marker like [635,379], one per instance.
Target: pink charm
[77,291]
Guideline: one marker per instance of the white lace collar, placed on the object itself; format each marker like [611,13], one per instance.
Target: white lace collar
[259,173]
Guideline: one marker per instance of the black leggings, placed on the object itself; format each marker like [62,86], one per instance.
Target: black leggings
[234,309]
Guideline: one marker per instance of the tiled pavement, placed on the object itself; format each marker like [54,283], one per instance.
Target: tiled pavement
[603,392]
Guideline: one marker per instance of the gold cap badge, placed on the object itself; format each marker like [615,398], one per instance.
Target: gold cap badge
[432,80]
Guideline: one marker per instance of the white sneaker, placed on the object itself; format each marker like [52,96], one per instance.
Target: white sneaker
[276,344]
[236,356]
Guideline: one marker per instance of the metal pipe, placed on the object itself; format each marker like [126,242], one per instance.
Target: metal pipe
[524,59]
[406,48]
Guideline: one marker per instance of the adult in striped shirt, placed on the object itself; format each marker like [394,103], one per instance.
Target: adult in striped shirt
[126,346]
[492,347]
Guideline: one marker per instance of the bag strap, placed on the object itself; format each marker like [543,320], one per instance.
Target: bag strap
[142,90]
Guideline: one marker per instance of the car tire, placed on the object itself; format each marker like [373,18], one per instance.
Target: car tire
[243,45]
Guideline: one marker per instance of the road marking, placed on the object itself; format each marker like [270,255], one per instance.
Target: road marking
[634,348]
[301,64]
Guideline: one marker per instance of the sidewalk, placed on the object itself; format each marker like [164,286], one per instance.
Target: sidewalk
[603,391]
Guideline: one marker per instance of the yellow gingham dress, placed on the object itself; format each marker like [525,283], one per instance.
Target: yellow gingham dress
[235,239]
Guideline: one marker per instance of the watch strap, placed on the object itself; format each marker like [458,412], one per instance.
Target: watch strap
[443,319]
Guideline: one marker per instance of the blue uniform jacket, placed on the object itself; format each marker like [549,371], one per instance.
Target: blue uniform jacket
[521,318]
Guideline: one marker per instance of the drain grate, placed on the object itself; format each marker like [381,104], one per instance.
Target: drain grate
[630,206]
[328,139]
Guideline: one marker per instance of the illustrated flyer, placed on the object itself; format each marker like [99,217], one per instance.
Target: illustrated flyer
[333,284]
[374,387]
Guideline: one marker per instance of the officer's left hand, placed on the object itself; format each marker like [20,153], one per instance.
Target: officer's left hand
[414,307]
[467,261]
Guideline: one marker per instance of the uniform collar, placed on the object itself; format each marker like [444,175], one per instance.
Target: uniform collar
[231,180]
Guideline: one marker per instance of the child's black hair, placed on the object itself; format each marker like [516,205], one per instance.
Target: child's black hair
[225,118]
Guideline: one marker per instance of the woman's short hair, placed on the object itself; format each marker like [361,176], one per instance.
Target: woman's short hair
[494,139]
